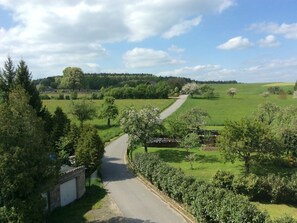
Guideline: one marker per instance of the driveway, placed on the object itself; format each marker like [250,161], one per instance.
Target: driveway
[136,202]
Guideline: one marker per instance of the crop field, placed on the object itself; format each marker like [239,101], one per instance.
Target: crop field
[244,103]
[108,133]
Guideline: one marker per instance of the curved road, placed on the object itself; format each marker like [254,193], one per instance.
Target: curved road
[135,201]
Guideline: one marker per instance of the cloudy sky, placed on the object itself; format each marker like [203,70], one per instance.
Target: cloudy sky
[243,40]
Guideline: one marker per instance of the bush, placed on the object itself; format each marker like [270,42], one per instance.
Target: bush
[74,95]
[223,179]
[67,97]
[44,97]
[60,97]
[253,187]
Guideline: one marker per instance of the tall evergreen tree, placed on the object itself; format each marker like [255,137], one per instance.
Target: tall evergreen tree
[7,78]
[23,79]
[26,170]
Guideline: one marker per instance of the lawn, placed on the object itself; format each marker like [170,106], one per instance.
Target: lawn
[209,162]
[243,104]
[77,212]
[108,133]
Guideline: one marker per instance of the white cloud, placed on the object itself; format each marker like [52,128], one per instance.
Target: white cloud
[51,35]
[202,72]
[289,31]
[174,48]
[235,43]
[143,57]
[182,27]
[268,41]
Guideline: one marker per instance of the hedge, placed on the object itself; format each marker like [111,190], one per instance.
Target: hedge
[205,201]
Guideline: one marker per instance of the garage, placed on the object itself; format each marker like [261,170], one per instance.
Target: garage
[68,192]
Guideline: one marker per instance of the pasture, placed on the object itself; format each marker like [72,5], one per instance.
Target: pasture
[244,103]
[106,133]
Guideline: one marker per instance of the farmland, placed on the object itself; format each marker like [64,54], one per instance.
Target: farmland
[108,133]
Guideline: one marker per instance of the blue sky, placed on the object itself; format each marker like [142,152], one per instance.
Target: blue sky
[243,40]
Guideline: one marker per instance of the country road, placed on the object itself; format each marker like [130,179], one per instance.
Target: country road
[135,201]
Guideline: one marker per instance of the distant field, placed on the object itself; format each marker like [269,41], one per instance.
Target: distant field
[280,84]
[243,104]
[108,133]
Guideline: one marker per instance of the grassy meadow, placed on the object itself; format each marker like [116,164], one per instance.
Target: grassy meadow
[244,103]
[101,124]
[220,109]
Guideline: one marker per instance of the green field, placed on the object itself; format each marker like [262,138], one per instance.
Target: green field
[108,133]
[243,104]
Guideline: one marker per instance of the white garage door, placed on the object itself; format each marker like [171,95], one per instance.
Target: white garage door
[68,192]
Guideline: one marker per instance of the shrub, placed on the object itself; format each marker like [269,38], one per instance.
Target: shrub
[74,95]
[44,97]
[60,97]
[223,179]
[67,97]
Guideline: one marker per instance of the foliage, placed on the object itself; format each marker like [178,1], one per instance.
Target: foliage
[26,169]
[89,150]
[108,133]
[194,119]
[7,78]
[109,110]
[141,125]
[271,188]
[190,141]
[206,202]
[61,125]
[190,89]
[223,179]
[232,92]
[267,112]
[240,139]
[83,110]
[72,78]
[67,144]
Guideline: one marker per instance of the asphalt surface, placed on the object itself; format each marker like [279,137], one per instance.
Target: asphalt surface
[136,202]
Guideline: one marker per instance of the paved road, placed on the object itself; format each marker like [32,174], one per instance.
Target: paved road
[136,202]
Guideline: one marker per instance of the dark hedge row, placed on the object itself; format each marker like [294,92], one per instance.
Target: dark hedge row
[206,202]
[271,188]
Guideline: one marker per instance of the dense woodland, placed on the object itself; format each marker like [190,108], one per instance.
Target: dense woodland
[119,86]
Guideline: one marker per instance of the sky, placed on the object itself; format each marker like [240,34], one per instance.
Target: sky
[244,40]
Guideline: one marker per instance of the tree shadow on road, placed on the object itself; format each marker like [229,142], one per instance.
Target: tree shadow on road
[113,171]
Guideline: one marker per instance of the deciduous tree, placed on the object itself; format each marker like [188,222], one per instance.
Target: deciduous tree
[247,140]
[232,92]
[72,78]
[141,125]
[109,110]
[83,110]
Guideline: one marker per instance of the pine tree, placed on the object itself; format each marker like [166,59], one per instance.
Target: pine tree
[26,170]
[7,78]
[23,79]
